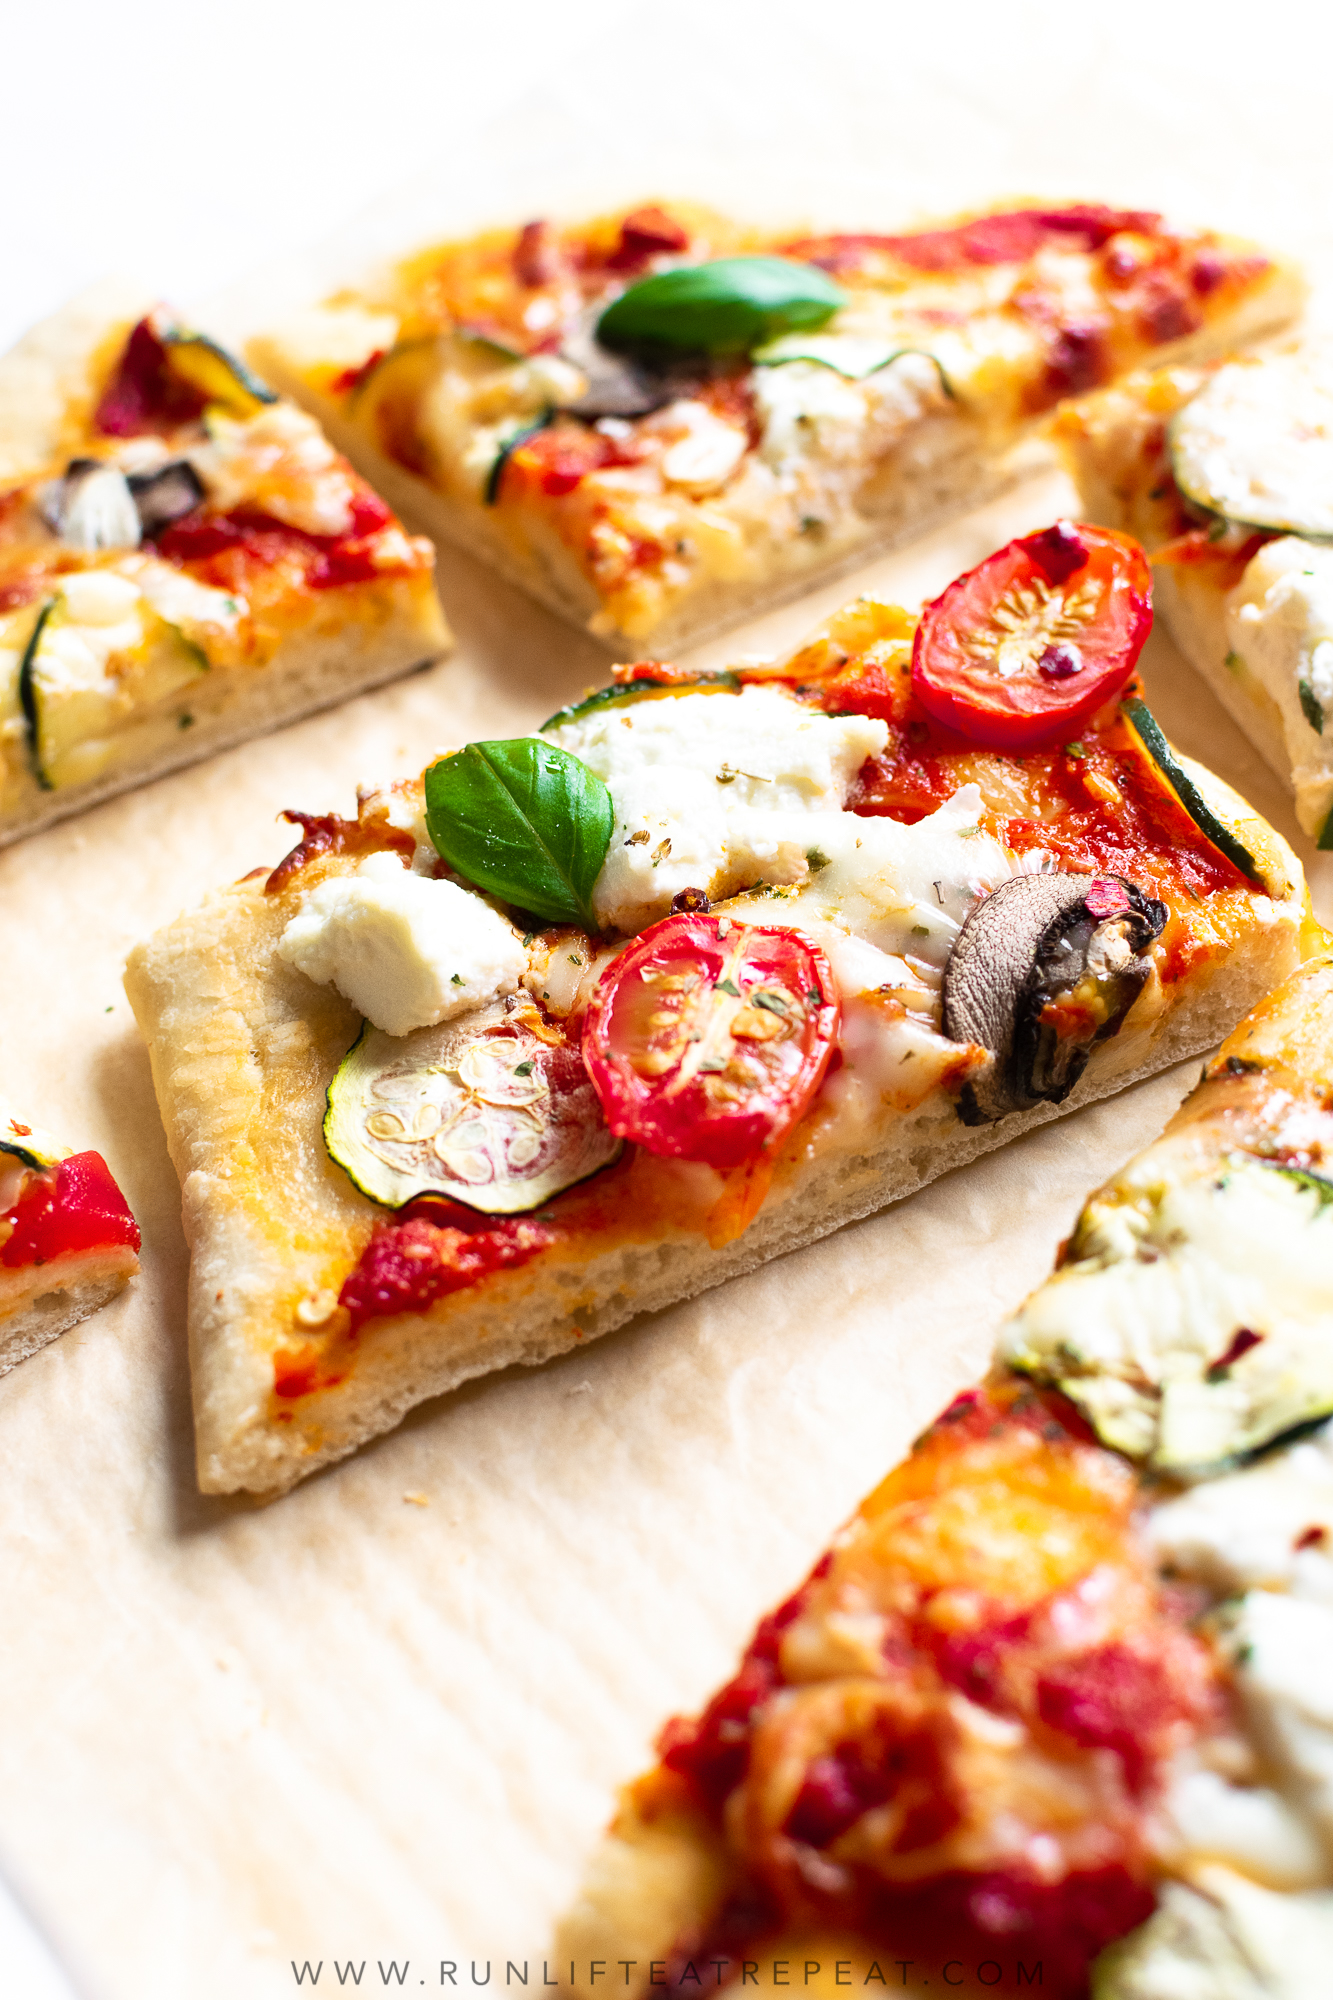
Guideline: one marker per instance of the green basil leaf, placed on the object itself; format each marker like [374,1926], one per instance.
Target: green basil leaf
[726,307]
[525,821]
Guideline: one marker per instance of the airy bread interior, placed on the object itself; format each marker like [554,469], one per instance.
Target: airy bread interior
[37,1307]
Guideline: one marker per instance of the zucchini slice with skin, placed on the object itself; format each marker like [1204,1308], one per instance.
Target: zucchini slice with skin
[83,681]
[857,356]
[1145,726]
[219,377]
[1255,446]
[625,692]
[493,1109]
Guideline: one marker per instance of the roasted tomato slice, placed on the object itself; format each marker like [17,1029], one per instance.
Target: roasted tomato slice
[1022,649]
[706,1038]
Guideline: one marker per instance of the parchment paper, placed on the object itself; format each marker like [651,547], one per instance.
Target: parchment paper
[383,1718]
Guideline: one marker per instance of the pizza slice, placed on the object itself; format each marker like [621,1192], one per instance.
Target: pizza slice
[1054,1710]
[585,1021]
[68,1242]
[184,560]
[661,420]
[1224,473]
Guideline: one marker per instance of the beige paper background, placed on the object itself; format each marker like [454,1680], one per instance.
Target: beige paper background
[351,1726]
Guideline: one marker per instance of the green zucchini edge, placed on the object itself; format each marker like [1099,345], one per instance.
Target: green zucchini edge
[622,694]
[1148,729]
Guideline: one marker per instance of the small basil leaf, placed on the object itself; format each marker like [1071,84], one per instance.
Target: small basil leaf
[525,821]
[726,307]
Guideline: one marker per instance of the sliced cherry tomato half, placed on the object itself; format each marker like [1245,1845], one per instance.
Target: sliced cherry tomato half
[706,1038]
[1021,650]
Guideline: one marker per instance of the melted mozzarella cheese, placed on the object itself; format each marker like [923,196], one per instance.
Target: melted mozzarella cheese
[1223,1938]
[1249,1827]
[1280,627]
[281,461]
[1269,1526]
[1283,1655]
[714,792]
[408,952]
[1136,1329]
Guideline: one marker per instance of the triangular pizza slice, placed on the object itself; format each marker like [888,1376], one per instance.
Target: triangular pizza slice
[1054,1711]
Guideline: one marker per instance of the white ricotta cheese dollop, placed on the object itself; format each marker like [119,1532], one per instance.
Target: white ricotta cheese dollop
[713,791]
[1283,1647]
[407,951]
[1280,629]
[1268,1526]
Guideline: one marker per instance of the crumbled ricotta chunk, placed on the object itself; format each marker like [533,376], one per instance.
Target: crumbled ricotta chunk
[1223,1938]
[281,461]
[714,792]
[407,951]
[1282,1647]
[1269,1526]
[1280,626]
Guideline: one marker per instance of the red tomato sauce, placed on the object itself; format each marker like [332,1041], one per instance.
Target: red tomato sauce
[991,239]
[1125,1699]
[222,549]
[434,1248]
[73,1206]
[1148,836]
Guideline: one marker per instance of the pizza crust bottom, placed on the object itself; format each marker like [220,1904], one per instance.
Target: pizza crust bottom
[37,1309]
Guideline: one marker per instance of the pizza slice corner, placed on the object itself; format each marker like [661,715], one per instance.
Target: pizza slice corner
[68,1242]
[661,420]
[184,559]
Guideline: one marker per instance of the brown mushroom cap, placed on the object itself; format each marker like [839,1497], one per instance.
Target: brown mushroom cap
[996,972]
[617,387]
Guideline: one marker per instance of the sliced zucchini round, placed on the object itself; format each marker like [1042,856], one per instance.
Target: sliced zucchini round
[1142,720]
[84,677]
[855,355]
[622,695]
[386,398]
[1256,444]
[490,1109]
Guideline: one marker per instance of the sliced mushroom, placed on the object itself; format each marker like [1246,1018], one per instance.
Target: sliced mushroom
[617,386]
[1043,969]
[165,495]
[92,507]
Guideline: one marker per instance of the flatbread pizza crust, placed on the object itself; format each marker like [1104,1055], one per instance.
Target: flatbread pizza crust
[243,1049]
[35,1311]
[1109,446]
